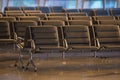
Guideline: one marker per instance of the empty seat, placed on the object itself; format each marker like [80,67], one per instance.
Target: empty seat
[72,10]
[101,12]
[64,18]
[107,22]
[57,9]
[57,14]
[77,14]
[114,11]
[78,38]
[80,22]
[6,37]
[31,11]
[44,9]
[13,8]
[108,36]
[7,12]
[104,18]
[20,27]
[80,18]
[88,11]
[14,14]
[43,39]
[34,18]
[8,19]
[96,19]
[29,8]
[52,22]
[41,15]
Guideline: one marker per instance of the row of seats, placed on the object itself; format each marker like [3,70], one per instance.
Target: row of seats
[16,14]
[70,38]
[64,20]
[57,9]
[44,38]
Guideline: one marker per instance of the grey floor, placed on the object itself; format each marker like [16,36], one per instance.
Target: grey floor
[70,68]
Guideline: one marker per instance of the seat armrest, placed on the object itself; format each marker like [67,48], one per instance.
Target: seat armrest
[30,44]
[65,43]
[97,43]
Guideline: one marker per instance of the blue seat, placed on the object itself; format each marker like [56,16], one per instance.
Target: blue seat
[57,9]
[44,9]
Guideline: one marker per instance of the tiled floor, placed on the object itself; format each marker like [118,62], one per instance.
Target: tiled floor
[67,69]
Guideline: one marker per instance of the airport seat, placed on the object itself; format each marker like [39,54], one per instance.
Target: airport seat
[57,14]
[33,18]
[42,39]
[57,23]
[57,9]
[88,11]
[108,36]
[103,18]
[77,14]
[12,9]
[44,9]
[72,10]
[9,19]
[78,38]
[63,18]
[80,22]
[28,8]
[101,12]
[80,18]
[114,11]
[14,14]
[6,36]
[99,18]
[41,15]
[107,22]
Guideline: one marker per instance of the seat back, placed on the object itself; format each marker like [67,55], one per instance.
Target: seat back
[29,8]
[41,15]
[44,36]
[114,11]
[80,18]
[107,34]
[57,23]
[12,8]
[77,35]
[101,12]
[104,18]
[57,14]
[63,18]
[34,18]
[57,9]
[80,22]
[8,18]
[107,22]
[44,9]
[4,30]
[20,27]
[77,14]
[72,10]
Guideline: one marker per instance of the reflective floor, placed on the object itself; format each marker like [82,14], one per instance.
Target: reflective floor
[64,69]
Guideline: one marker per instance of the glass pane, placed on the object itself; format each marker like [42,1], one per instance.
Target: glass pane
[111,3]
[22,3]
[93,4]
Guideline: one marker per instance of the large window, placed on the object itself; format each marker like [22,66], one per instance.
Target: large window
[23,2]
[93,4]
[111,4]
[67,3]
